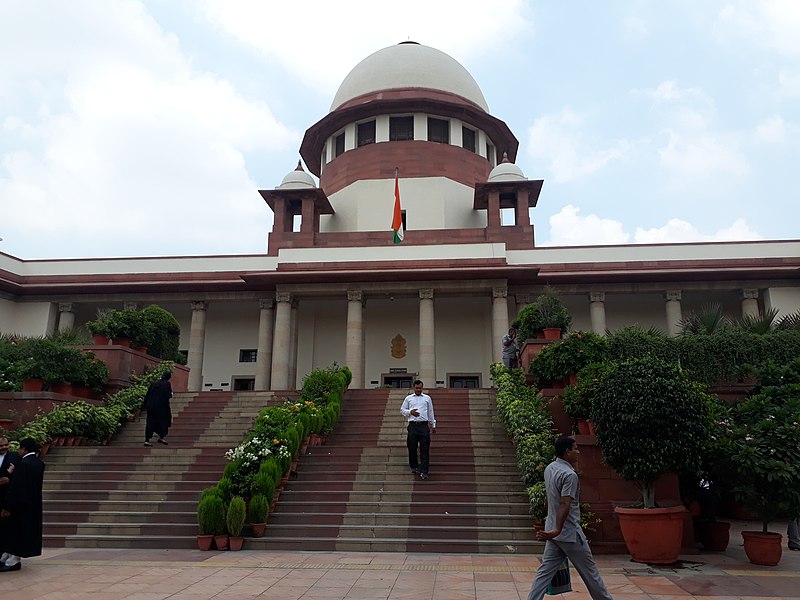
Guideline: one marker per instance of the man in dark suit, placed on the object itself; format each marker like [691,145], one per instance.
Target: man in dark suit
[21,510]
[7,459]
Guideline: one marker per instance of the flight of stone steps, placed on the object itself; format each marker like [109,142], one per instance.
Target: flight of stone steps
[125,495]
[356,493]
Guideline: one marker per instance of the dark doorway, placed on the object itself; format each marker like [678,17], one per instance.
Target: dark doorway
[464,381]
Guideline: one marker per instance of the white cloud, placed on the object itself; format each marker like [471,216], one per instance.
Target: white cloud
[130,145]
[773,24]
[789,83]
[322,41]
[559,142]
[677,230]
[568,228]
[702,155]
[635,28]
[772,130]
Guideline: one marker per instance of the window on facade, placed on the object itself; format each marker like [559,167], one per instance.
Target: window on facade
[401,128]
[248,355]
[468,138]
[366,133]
[338,145]
[490,155]
[438,130]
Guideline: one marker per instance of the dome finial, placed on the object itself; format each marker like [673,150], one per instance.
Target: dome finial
[505,158]
[299,166]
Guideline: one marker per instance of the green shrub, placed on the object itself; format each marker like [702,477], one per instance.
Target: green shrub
[211,515]
[166,333]
[257,509]
[651,420]
[545,312]
[235,516]
[559,360]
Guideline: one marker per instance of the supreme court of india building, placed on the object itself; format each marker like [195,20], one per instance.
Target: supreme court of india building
[332,285]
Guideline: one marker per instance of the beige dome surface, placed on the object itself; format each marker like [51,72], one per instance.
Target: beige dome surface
[409,65]
[506,171]
[297,179]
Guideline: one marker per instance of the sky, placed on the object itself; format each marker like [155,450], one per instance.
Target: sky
[146,128]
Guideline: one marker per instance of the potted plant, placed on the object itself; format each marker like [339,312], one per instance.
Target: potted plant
[206,510]
[759,454]
[651,420]
[562,360]
[578,398]
[100,328]
[234,519]
[546,312]
[257,511]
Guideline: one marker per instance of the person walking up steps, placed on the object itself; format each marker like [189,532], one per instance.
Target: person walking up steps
[159,413]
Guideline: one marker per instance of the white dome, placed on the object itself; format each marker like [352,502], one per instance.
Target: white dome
[506,171]
[297,179]
[409,65]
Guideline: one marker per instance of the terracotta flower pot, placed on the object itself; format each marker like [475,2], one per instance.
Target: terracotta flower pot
[552,333]
[235,543]
[258,529]
[583,426]
[204,542]
[32,385]
[100,340]
[714,535]
[763,548]
[221,541]
[652,535]
[62,388]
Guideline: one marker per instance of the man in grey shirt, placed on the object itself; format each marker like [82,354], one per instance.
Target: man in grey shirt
[562,529]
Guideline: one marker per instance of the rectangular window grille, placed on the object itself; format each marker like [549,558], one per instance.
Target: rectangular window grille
[438,130]
[339,145]
[366,133]
[248,355]
[468,138]
[401,128]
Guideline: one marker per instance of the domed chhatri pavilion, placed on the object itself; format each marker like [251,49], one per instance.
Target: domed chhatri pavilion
[332,285]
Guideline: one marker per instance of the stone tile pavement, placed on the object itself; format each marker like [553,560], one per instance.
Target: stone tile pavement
[103,574]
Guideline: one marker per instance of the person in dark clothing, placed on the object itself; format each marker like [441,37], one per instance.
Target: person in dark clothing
[22,508]
[8,461]
[159,413]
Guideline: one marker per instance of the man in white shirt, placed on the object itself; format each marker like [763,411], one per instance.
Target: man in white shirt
[418,409]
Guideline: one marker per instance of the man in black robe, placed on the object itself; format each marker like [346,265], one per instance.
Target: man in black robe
[22,508]
[7,459]
[159,413]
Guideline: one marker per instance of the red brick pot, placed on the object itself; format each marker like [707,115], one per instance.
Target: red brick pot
[652,535]
[763,548]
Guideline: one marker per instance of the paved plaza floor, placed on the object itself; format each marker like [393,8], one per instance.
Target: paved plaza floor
[66,573]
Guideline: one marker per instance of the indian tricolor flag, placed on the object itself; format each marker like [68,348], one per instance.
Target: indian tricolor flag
[397,217]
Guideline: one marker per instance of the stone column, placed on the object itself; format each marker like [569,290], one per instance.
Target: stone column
[597,312]
[427,337]
[750,303]
[66,316]
[197,340]
[499,321]
[674,315]
[281,344]
[294,346]
[354,348]
[264,353]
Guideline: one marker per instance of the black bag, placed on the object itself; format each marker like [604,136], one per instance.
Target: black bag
[560,582]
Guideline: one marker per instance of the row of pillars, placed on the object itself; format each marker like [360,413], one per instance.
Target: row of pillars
[276,359]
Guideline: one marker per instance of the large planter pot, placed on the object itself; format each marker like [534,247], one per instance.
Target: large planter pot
[62,388]
[714,535]
[258,529]
[100,340]
[236,543]
[763,548]
[6,424]
[583,426]
[32,385]
[204,542]
[552,333]
[652,535]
